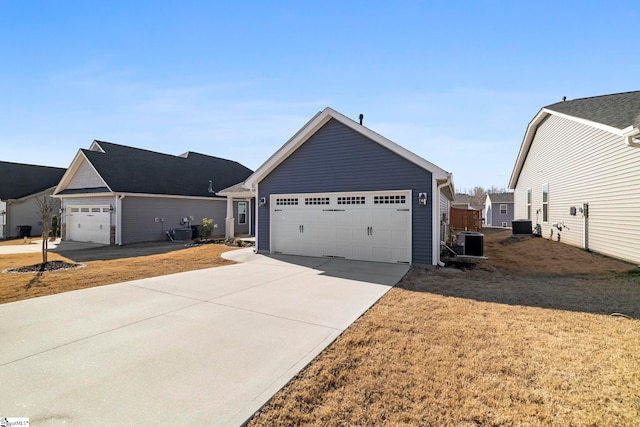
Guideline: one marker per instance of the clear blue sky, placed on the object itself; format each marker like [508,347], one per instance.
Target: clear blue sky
[455,82]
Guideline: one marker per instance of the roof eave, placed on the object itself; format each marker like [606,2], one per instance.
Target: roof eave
[526,144]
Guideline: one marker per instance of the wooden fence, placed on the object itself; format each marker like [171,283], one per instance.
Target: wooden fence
[465,220]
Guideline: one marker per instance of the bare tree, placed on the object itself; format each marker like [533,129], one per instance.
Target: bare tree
[46,206]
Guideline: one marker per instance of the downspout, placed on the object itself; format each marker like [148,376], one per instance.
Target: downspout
[441,186]
[257,216]
[119,219]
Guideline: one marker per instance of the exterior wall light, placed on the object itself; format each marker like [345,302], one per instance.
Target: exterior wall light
[422,198]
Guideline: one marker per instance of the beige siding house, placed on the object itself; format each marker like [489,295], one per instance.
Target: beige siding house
[577,174]
[114,194]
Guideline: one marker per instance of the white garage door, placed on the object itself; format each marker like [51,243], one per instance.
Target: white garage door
[369,226]
[89,224]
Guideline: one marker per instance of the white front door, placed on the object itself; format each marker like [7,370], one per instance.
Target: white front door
[369,226]
[89,224]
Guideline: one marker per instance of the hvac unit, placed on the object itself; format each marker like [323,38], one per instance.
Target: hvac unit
[521,227]
[471,243]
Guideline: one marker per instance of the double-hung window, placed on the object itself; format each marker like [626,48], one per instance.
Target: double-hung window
[503,209]
[545,202]
[242,213]
[529,204]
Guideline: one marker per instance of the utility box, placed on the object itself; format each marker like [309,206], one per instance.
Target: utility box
[521,227]
[471,243]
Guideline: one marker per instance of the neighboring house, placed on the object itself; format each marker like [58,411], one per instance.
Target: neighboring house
[462,201]
[338,189]
[498,210]
[20,186]
[465,201]
[577,174]
[114,194]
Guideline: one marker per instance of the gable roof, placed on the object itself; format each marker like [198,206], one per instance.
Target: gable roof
[133,170]
[320,120]
[18,180]
[617,113]
[619,110]
[463,198]
[500,197]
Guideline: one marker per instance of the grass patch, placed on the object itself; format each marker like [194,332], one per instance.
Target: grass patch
[518,341]
[15,287]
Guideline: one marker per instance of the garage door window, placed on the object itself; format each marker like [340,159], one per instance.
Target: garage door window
[287,201]
[316,201]
[387,200]
[351,200]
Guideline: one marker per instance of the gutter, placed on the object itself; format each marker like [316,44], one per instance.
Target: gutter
[447,182]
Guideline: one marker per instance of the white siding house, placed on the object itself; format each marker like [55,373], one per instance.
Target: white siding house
[577,174]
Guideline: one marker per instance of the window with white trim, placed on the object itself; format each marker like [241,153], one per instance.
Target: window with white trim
[503,209]
[529,204]
[242,213]
[545,203]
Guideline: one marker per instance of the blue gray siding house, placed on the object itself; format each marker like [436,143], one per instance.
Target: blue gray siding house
[499,209]
[351,193]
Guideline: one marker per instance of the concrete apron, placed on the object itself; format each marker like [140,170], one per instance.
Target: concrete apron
[206,347]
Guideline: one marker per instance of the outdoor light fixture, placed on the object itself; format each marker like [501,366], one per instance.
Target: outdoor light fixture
[263,201]
[422,198]
[110,208]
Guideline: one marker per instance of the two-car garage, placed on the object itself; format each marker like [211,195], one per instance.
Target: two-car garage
[368,226]
[338,189]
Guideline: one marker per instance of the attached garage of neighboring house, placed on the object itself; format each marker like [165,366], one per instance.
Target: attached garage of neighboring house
[114,194]
[89,224]
[338,189]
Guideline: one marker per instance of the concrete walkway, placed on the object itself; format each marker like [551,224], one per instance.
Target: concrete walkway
[201,348]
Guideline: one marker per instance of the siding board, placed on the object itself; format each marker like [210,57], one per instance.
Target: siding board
[139,213]
[339,159]
[582,164]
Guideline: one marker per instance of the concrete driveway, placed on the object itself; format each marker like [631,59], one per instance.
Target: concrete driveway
[201,348]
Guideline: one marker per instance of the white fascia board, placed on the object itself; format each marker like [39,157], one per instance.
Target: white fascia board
[73,168]
[38,194]
[167,196]
[591,123]
[244,195]
[526,144]
[320,120]
[157,196]
[531,130]
[95,146]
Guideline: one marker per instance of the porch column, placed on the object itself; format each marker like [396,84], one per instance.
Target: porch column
[229,221]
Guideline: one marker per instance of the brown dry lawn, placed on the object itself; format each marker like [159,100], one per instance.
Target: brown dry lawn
[103,266]
[525,339]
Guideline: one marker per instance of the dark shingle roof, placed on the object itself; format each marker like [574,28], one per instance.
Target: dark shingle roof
[463,198]
[619,110]
[19,180]
[501,197]
[134,170]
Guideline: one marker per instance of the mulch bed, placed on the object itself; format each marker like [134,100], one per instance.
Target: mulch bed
[42,268]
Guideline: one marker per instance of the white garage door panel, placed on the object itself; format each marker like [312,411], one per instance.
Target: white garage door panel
[370,226]
[89,224]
